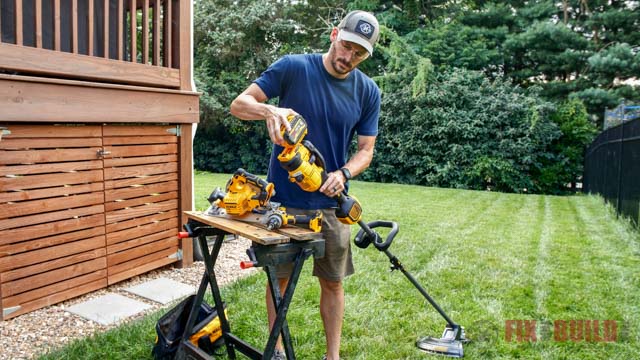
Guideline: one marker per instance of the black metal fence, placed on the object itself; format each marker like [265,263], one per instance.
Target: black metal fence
[612,168]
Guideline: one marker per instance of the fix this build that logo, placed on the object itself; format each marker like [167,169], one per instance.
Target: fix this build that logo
[561,330]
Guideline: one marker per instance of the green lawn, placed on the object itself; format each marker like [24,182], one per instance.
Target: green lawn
[485,257]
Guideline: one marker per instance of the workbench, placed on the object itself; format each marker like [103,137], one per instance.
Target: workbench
[269,248]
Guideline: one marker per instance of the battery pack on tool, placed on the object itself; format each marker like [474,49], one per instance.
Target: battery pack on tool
[349,210]
[298,130]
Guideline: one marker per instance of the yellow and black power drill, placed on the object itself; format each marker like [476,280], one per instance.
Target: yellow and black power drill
[306,167]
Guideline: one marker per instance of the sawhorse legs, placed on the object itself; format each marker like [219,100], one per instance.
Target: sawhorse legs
[266,256]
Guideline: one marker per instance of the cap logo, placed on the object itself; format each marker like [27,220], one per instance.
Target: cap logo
[364,28]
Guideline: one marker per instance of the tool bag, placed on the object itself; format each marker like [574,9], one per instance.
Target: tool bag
[207,332]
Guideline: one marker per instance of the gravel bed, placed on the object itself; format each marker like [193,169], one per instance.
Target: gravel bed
[30,335]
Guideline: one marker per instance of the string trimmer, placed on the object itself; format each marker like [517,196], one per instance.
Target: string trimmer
[453,337]
[305,166]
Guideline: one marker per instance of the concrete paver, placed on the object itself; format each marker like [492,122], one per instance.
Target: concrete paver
[108,309]
[162,290]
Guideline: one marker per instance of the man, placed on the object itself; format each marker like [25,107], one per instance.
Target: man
[337,100]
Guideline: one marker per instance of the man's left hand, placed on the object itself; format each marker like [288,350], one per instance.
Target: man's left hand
[334,184]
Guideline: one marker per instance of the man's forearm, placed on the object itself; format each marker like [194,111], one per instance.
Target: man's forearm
[359,162]
[250,105]
[335,181]
[246,107]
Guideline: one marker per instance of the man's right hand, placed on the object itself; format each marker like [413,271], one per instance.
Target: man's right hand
[250,105]
[275,118]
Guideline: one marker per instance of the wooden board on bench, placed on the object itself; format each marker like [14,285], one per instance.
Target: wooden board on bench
[254,232]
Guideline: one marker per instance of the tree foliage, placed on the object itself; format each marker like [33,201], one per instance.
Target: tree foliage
[476,94]
[584,49]
[465,131]
[566,152]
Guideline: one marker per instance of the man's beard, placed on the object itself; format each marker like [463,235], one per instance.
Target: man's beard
[345,63]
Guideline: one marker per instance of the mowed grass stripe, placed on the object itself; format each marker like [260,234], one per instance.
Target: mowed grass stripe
[613,268]
[542,272]
[500,272]
[584,288]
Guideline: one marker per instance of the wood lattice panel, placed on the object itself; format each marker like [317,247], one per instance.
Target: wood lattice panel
[82,207]
[52,224]
[141,198]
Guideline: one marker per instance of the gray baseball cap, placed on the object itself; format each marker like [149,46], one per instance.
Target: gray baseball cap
[361,28]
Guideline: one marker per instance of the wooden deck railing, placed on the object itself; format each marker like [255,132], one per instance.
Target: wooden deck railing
[139,42]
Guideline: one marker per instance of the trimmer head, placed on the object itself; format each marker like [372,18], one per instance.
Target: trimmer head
[450,344]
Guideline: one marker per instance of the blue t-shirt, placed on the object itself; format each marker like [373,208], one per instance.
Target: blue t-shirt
[335,110]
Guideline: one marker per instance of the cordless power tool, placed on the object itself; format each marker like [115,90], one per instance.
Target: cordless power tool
[306,167]
[248,198]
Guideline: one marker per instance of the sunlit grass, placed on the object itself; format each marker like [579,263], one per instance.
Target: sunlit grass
[485,258]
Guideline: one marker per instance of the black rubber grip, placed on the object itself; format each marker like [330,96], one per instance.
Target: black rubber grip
[363,239]
[319,160]
[384,245]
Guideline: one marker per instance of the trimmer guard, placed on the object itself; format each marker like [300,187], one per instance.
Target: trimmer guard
[450,344]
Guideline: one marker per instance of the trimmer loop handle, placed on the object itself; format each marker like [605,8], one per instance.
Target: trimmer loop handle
[368,236]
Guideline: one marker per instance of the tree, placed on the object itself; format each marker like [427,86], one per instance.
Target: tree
[565,166]
[469,87]
[606,72]
[457,128]
[234,42]
[569,48]
[460,46]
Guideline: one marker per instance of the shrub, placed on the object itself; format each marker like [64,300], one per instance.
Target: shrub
[464,131]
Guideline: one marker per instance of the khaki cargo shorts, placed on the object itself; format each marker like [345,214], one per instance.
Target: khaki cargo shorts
[337,262]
